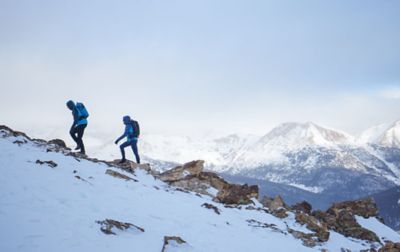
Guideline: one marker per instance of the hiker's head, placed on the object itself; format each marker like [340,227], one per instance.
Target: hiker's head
[70,104]
[126,119]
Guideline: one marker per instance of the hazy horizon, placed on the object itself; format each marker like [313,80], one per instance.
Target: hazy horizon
[198,68]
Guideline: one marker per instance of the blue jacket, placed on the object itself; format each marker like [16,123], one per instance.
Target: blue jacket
[129,133]
[78,122]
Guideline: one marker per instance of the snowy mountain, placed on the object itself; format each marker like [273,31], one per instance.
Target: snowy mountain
[387,135]
[55,200]
[304,155]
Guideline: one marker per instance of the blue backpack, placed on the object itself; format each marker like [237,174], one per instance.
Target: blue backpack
[82,112]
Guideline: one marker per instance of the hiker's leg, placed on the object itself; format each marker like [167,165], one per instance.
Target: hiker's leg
[135,151]
[72,132]
[80,130]
[122,147]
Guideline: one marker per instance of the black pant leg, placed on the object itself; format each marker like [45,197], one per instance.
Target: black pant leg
[122,148]
[80,129]
[135,150]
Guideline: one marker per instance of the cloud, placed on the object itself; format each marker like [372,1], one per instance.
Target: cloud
[392,93]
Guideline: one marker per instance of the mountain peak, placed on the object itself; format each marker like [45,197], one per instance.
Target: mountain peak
[300,134]
[387,135]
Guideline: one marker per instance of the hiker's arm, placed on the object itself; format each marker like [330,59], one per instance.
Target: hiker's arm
[123,135]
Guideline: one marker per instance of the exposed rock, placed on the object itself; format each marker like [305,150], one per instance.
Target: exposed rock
[390,247]
[210,206]
[344,222]
[319,228]
[277,206]
[9,132]
[171,239]
[237,194]
[50,163]
[58,142]
[308,239]
[303,206]
[119,175]
[178,173]
[130,166]
[108,225]
[190,176]
[273,227]
[365,207]
[20,142]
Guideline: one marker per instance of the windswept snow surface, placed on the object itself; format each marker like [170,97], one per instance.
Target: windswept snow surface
[51,209]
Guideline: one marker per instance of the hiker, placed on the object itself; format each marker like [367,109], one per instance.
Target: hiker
[132,132]
[80,115]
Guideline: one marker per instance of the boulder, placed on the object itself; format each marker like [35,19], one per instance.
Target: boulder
[390,247]
[276,205]
[319,228]
[303,206]
[344,222]
[178,173]
[237,194]
[58,142]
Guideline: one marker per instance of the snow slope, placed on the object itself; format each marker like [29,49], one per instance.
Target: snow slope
[45,208]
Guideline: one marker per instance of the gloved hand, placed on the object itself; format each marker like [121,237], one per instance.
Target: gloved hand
[116,142]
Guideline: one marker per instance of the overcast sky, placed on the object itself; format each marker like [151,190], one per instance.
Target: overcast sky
[190,67]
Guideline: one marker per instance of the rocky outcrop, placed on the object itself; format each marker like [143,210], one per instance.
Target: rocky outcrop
[303,207]
[58,142]
[365,207]
[191,176]
[340,217]
[108,226]
[170,240]
[276,205]
[320,229]
[390,247]
[237,194]
[193,168]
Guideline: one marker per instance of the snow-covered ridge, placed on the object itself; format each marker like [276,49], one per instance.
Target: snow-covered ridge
[387,135]
[53,201]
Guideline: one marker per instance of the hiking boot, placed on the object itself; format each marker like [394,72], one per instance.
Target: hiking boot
[77,148]
[122,161]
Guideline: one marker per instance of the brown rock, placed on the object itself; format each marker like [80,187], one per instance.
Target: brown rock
[274,204]
[58,142]
[178,173]
[307,239]
[390,247]
[319,228]
[344,222]
[237,194]
[277,206]
[365,207]
[303,206]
